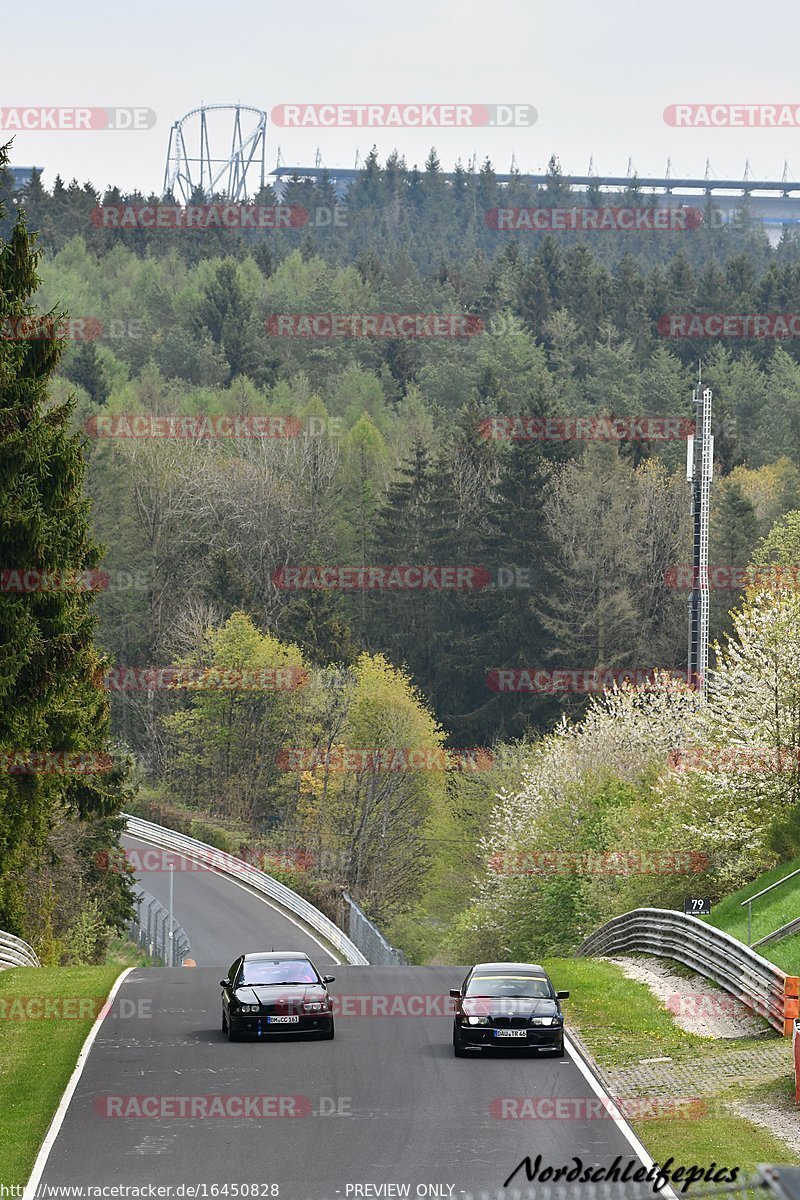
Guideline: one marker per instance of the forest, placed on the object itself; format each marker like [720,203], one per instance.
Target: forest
[530,434]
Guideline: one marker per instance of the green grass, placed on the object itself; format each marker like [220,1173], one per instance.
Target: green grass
[37,1057]
[122,952]
[729,1141]
[769,913]
[620,1019]
[621,1022]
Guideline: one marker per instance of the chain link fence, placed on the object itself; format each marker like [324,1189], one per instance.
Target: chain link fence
[369,939]
[155,933]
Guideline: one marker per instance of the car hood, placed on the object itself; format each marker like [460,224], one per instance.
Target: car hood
[508,1006]
[278,994]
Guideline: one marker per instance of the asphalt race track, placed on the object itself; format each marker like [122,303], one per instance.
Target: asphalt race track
[222,919]
[384,1103]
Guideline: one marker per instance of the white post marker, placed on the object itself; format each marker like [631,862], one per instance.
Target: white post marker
[171,918]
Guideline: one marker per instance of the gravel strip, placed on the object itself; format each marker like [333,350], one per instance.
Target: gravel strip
[696,1005]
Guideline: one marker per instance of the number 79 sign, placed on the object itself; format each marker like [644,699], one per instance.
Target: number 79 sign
[694,906]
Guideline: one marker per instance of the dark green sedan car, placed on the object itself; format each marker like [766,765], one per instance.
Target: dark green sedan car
[506,1005]
[278,992]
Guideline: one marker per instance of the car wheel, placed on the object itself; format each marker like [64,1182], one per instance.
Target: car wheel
[224,1023]
[459,1049]
[327,1034]
[559,1053]
[232,1037]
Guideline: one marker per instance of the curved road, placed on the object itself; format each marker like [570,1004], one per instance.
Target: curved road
[385,1103]
[222,918]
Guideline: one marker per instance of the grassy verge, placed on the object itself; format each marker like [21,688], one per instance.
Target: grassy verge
[122,952]
[769,913]
[621,1023]
[37,1056]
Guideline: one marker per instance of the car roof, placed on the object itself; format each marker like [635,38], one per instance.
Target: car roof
[508,966]
[274,956]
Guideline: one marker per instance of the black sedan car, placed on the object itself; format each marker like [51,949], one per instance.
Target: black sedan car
[508,1005]
[273,993]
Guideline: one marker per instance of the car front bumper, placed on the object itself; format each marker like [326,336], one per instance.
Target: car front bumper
[537,1037]
[256,1025]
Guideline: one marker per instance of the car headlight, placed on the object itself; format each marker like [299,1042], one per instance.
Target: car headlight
[315,1006]
[477,1020]
[249,1008]
[546,1020]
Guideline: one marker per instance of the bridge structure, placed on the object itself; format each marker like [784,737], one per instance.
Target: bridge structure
[773,202]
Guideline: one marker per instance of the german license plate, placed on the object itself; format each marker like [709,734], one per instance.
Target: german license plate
[511,1033]
[282,1020]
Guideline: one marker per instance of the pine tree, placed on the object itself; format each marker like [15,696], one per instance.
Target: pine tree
[86,370]
[49,664]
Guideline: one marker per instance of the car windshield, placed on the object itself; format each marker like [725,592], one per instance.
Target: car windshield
[535,987]
[273,971]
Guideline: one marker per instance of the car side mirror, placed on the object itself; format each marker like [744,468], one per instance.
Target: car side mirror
[455,993]
[328,978]
[224,983]
[562,995]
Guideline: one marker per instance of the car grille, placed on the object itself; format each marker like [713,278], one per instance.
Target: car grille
[511,1022]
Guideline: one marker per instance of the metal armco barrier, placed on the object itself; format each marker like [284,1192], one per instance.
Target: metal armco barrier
[16,953]
[155,933]
[258,881]
[369,938]
[707,950]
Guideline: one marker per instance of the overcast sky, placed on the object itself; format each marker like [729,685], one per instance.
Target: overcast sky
[599,74]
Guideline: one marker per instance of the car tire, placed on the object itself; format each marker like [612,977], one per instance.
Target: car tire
[327,1034]
[232,1037]
[558,1053]
[459,1049]
[224,1024]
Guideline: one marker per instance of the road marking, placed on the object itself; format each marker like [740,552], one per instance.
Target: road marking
[61,1111]
[257,895]
[614,1113]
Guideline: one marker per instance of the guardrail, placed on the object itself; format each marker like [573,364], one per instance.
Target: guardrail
[257,880]
[757,896]
[16,953]
[709,951]
[156,931]
[369,938]
[783,931]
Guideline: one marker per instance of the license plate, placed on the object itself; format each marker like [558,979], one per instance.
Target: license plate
[511,1033]
[282,1020]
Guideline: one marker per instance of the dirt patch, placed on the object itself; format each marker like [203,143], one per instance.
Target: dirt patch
[696,1006]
